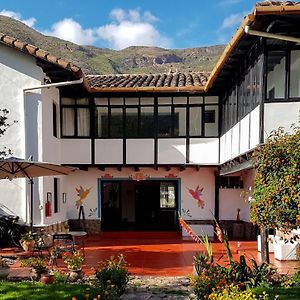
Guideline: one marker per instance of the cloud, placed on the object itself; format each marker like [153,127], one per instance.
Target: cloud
[232,20]
[132,28]
[15,15]
[72,31]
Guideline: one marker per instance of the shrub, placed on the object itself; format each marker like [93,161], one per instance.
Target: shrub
[232,292]
[73,261]
[113,274]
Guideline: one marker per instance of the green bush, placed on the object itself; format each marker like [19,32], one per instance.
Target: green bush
[113,274]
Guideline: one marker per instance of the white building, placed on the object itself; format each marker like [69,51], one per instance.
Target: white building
[148,146]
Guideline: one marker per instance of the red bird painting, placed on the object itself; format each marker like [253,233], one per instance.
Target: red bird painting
[196,194]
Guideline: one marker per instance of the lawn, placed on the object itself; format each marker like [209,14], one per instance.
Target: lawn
[292,293]
[34,291]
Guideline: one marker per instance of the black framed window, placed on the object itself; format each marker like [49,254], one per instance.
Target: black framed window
[56,195]
[164,119]
[75,117]
[294,90]
[54,118]
[147,124]
[195,124]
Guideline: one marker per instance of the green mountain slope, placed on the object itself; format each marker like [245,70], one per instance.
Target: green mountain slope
[132,60]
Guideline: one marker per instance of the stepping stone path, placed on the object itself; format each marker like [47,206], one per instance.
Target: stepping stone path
[155,288]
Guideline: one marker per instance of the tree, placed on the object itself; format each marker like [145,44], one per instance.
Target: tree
[3,127]
[276,192]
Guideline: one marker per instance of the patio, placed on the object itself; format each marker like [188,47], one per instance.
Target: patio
[153,253]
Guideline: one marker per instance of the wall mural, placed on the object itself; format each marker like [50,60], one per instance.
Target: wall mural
[82,195]
[139,176]
[186,213]
[196,194]
[92,212]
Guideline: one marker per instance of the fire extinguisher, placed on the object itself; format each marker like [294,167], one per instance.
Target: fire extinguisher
[48,210]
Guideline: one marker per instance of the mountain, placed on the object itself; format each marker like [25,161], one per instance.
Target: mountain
[132,60]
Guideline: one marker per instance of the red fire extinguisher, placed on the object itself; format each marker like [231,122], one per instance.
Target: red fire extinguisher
[48,210]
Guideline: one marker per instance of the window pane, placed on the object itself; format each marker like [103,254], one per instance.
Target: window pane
[195,121]
[116,101]
[196,100]
[164,121]
[68,121]
[101,101]
[67,101]
[164,100]
[167,195]
[295,74]
[179,100]
[116,123]
[83,121]
[147,100]
[131,101]
[179,121]
[276,75]
[211,120]
[131,122]
[147,122]
[212,99]
[82,101]
[102,121]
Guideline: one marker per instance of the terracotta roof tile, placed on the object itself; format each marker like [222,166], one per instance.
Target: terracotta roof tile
[172,80]
[277,3]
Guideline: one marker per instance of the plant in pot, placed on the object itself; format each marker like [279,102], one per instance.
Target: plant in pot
[37,266]
[74,261]
[27,241]
[4,269]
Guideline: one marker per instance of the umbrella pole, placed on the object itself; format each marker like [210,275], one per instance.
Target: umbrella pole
[31,203]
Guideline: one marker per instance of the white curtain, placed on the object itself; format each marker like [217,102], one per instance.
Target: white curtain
[68,122]
[83,121]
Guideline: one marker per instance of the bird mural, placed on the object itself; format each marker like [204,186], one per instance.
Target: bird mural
[196,194]
[82,194]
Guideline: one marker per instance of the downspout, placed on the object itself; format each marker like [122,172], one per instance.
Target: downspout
[25,91]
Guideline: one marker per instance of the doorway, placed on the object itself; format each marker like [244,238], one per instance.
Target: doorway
[139,205]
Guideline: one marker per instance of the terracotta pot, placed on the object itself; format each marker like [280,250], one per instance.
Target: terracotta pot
[4,272]
[47,278]
[27,245]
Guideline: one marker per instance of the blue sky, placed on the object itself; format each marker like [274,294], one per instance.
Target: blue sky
[121,23]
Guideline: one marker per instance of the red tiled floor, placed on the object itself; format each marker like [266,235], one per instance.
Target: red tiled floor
[158,253]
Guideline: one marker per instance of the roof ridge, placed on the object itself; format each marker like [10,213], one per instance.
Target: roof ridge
[150,73]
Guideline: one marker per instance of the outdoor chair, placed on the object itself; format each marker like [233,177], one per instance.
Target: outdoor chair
[64,241]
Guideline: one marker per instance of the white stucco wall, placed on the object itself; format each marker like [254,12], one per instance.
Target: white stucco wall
[18,71]
[244,136]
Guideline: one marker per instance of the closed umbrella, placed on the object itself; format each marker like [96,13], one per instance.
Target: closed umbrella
[14,167]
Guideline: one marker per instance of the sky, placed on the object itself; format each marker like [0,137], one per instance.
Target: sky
[118,24]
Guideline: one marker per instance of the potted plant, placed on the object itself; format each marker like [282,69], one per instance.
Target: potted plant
[27,241]
[74,261]
[37,265]
[4,269]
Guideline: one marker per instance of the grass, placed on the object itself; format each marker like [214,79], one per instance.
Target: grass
[39,291]
[292,293]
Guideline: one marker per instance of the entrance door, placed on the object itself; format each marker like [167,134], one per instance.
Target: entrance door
[139,205]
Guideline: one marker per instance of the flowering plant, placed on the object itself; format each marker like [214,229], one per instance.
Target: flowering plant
[73,261]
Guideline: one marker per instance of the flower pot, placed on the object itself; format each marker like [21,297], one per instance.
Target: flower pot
[47,278]
[4,272]
[27,245]
[36,274]
[74,275]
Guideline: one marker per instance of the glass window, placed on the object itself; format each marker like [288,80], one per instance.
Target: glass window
[54,119]
[131,122]
[164,100]
[164,121]
[102,121]
[147,100]
[83,122]
[101,101]
[179,121]
[116,101]
[195,121]
[82,101]
[295,74]
[167,195]
[131,101]
[196,100]
[211,121]
[179,100]
[116,123]
[68,121]
[276,75]
[147,121]
[68,101]
[212,99]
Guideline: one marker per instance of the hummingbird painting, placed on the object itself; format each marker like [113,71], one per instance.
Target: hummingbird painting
[196,194]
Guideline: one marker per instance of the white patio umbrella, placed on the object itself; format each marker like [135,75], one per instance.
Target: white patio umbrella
[14,167]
